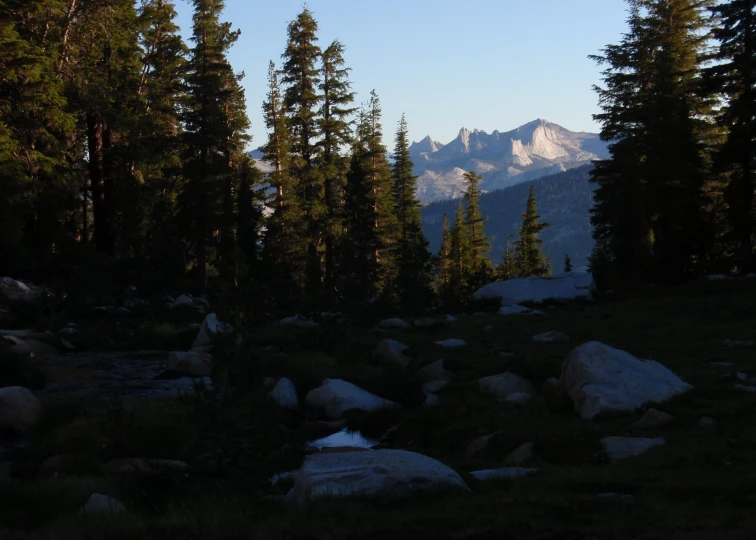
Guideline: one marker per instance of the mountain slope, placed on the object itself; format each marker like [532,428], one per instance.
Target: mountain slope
[564,200]
[531,151]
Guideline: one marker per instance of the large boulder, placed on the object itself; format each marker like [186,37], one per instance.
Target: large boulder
[30,347]
[390,350]
[285,394]
[336,396]
[196,364]
[565,286]
[19,409]
[298,321]
[394,324]
[183,301]
[99,504]
[209,328]
[17,290]
[601,380]
[504,385]
[433,372]
[386,475]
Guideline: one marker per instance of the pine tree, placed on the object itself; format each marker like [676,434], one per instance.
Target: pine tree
[369,269]
[300,76]
[507,269]
[444,257]
[529,259]
[567,263]
[479,267]
[334,125]
[413,257]
[734,76]
[215,122]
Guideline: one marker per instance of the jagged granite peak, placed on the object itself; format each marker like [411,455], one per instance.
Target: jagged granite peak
[530,151]
[426,146]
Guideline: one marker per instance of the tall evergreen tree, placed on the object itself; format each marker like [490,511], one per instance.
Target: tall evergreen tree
[215,122]
[734,76]
[479,266]
[300,77]
[335,126]
[529,259]
[567,263]
[413,257]
[507,269]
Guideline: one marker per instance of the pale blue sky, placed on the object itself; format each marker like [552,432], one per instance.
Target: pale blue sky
[479,64]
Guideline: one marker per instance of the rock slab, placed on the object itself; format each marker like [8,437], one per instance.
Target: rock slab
[336,396]
[601,380]
[19,409]
[506,384]
[618,448]
[285,394]
[386,475]
[564,286]
[196,364]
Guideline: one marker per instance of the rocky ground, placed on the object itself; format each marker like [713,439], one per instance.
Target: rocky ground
[515,424]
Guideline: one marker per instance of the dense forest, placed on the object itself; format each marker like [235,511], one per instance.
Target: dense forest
[122,147]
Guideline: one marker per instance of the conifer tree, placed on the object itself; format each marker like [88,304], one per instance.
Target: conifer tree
[459,259]
[444,260]
[507,269]
[567,263]
[479,268]
[334,124]
[413,257]
[529,259]
[734,76]
[300,76]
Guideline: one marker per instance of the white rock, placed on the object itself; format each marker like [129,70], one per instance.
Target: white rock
[30,347]
[17,290]
[386,475]
[192,363]
[565,286]
[390,350]
[518,398]
[503,474]
[451,318]
[601,379]
[209,328]
[67,344]
[433,372]
[298,321]
[504,385]
[337,396]
[285,394]
[434,387]
[451,343]
[182,301]
[550,337]
[744,388]
[394,324]
[513,310]
[19,409]
[618,448]
[478,445]
[19,333]
[103,505]
[431,400]
[653,418]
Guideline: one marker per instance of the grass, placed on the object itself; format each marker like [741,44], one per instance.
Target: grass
[699,486]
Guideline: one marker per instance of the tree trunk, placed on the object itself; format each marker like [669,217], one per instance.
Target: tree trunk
[94,143]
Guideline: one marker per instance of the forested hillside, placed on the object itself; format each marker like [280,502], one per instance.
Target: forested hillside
[564,201]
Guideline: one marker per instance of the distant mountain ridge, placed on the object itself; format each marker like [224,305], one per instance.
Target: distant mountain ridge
[564,201]
[531,151]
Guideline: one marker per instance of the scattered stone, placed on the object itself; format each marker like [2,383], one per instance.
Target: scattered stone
[618,448]
[298,321]
[144,468]
[30,347]
[603,380]
[337,396]
[737,343]
[433,372]
[192,363]
[183,301]
[513,310]
[386,475]
[505,473]
[390,350]
[451,318]
[744,388]
[429,324]
[17,290]
[66,344]
[518,398]
[741,376]
[285,394]
[113,310]
[706,422]
[653,419]
[431,400]
[434,387]
[18,333]
[67,331]
[564,286]
[506,384]
[718,277]
[210,328]
[479,444]
[521,454]
[451,343]
[102,505]
[19,409]
[394,324]
[550,337]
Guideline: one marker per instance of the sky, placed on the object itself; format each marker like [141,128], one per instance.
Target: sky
[446,64]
